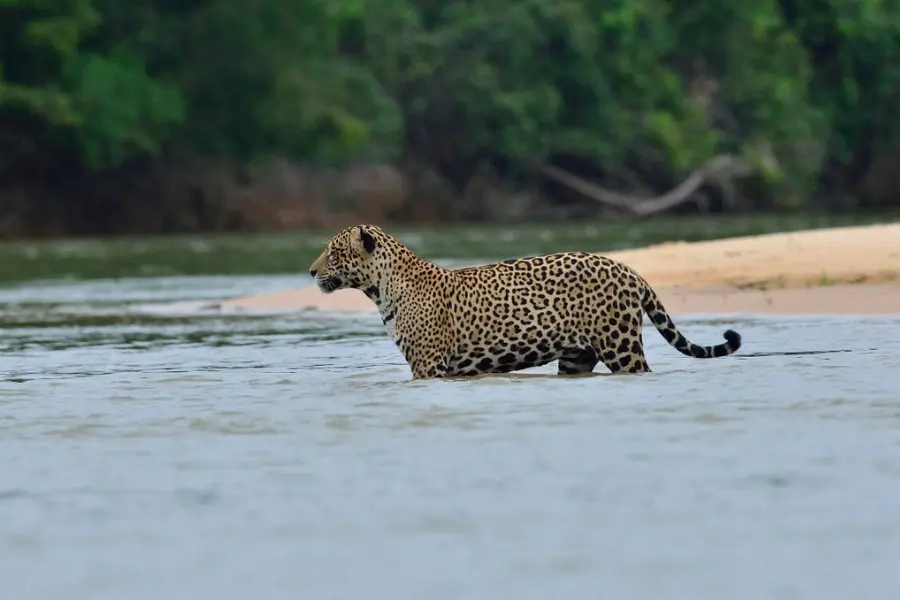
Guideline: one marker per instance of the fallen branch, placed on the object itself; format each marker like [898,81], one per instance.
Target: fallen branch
[720,169]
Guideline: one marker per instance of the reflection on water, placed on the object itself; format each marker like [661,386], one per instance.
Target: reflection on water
[147,454]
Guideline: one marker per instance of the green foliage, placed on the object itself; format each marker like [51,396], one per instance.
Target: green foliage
[36,40]
[120,110]
[794,86]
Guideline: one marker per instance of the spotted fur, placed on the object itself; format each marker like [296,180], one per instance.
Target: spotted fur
[576,308]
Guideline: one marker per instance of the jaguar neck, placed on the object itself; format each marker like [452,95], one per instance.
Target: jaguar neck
[385,297]
[388,292]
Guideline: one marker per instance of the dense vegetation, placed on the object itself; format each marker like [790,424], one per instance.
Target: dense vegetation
[635,94]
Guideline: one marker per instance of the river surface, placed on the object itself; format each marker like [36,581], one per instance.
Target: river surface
[151,451]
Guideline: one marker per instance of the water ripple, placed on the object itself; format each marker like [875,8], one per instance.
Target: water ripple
[178,456]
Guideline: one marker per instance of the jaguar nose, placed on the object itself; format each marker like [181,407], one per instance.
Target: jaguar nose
[313,272]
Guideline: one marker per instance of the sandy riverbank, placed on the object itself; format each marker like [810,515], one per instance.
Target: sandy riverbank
[836,270]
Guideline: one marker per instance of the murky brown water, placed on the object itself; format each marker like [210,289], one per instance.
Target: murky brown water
[158,454]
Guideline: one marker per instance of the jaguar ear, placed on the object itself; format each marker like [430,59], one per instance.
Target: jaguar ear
[363,240]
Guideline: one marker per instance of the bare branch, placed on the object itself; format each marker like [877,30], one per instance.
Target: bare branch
[720,169]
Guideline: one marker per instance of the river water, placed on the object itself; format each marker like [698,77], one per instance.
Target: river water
[151,451]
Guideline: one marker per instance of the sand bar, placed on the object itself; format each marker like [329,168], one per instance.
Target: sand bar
[846,270]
